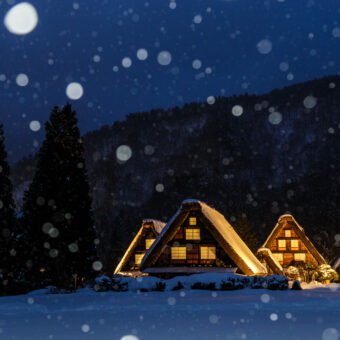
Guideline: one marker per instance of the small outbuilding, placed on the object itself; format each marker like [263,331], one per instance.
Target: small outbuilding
[145,237]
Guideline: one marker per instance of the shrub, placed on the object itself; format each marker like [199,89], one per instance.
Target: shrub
[205,286]
[276,282]
[296,285]
[178,286]
[325,272]
[292,273]
[160,286]
[259,282]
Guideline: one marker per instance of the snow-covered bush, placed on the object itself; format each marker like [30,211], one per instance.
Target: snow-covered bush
[206,286]
[259,282]
[105,283]
[178,286]
[326,273]
[296,285]
[159,287]
[233,284]
[292,273]
[277,282]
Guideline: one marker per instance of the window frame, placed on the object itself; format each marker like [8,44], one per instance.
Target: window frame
[297,247]
[289,232]
[280,255]
[299,260]
[149,239]
[280,247]
[172,253]
[193,221]
[192,238]
[141,259]
[208,253]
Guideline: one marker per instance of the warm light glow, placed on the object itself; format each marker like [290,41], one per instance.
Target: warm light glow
[148,242]
[278,256]
[294,244]
[208,253]
[282,244]
[178,253]
[288,233]
[300,257]
[192,221]
[192,234]
[138,258]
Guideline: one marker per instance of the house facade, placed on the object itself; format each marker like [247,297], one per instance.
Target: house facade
[290,246]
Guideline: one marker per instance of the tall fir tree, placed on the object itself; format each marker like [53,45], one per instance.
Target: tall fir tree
[57,214]
[8,224]
[244,230]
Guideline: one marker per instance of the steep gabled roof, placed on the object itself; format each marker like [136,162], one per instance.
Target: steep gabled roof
[155,225]
[299,231]
[219,227]
[272,262]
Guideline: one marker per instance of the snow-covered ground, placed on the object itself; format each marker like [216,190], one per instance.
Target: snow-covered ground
[184,314]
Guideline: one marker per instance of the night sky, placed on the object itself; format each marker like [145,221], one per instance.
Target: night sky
[217,48]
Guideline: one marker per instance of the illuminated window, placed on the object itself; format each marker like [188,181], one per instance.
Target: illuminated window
[300,257]
[138,258]
[148,242]
[282,244]
[208,253]
[288,233]
[192,234]
[192,221]
[294,244]
[278,256]
[178,253]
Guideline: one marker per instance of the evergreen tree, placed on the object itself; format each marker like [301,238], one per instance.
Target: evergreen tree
[57,208]
[244,230]
[8,226]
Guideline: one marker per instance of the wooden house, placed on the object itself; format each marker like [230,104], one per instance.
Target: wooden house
[147,234]
[199,239]
[290,245]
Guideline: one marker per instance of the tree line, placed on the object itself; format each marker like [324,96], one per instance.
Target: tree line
[53,240]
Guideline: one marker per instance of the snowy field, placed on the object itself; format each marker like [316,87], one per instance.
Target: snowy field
[185,314]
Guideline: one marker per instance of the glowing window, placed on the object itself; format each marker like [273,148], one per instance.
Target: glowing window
[192,221]
[278,256]
[294,244]
[138,259]
[208,253]
[178,253]
[282,244]
[192,234]
[288,233]
[300,257]
[148,242]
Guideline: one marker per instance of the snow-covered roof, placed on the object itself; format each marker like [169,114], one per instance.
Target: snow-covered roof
[336,264]
[300,232]
[271,260]
[224,233]
[157,227]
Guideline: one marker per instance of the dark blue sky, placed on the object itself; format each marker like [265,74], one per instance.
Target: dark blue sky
[82,40]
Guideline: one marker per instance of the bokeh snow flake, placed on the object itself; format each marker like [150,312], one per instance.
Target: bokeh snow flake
[73,247]
[74,91]
[142,54]
[171,301]
[330,334]
[288,316]
[123,153]
[275,118]
[336,32]
[149,150]
[290,76]
[159,187]
[237,110]
[85,328]
[164,58]
[264,46]
[22,79]
[30,301]
[97,266]
[126,62]
[213,318]
[196,64]
[265,298]
[35,125]
[129,337]
[309,102]
[211,100]
[284,66]
[172,5]
[197,19]
[21,19]
[273,317]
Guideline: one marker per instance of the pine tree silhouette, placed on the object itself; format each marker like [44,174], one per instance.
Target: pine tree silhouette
[8,225]
[60,233]
[244,230]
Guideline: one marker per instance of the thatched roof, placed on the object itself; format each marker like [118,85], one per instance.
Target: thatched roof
[270,259]
[221,230]
[299,231]
[155,225]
